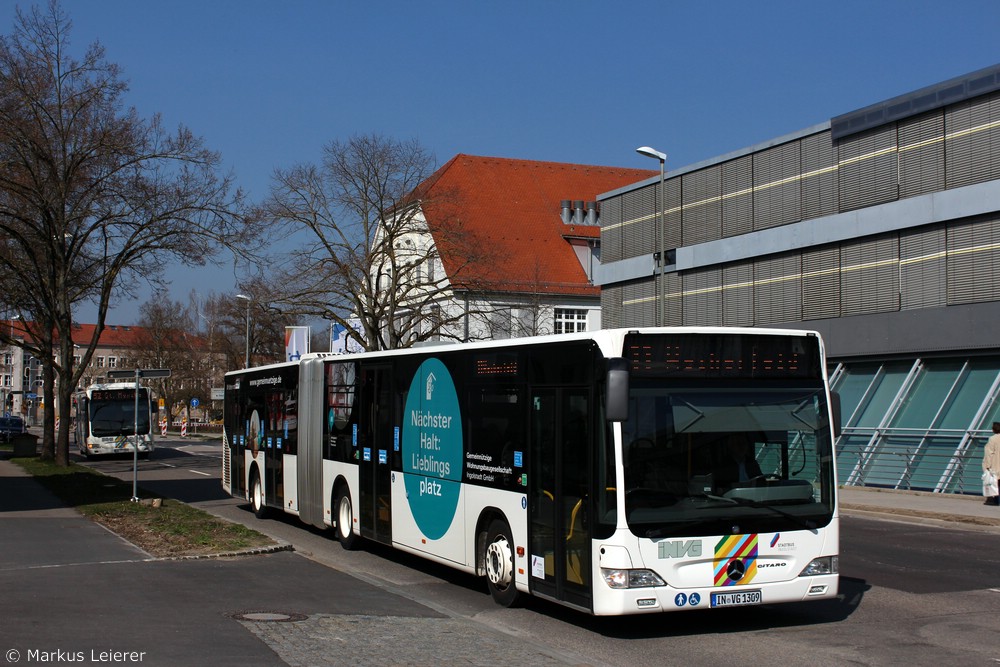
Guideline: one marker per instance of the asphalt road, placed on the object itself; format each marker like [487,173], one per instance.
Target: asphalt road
[910,594]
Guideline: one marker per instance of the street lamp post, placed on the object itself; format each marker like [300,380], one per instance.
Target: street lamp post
[246,356]
[662,157]
[10,389]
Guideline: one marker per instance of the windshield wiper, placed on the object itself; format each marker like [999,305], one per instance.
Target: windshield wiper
[746,502]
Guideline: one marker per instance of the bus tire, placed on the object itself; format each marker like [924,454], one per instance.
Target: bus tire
[345,520]
[499,560]
[257,497]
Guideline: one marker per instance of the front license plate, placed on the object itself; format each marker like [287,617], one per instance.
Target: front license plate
[736,599]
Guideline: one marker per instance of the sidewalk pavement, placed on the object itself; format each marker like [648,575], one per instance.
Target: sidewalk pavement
[39,530]
[920,507]
[76,592]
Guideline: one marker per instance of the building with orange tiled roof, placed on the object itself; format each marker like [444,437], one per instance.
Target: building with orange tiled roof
[118,348]
[539,225]
[21,377]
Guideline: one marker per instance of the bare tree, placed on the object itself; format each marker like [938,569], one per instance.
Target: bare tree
[223,325]
[164,339]
[93,199]
[233,319]
[370,263]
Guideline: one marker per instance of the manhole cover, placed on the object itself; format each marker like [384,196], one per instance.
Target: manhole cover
[268,616]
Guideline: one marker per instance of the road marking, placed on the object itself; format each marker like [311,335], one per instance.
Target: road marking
[198,472]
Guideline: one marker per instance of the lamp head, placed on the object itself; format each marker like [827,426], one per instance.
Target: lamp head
[651,152]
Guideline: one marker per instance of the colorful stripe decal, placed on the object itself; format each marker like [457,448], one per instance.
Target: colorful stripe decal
[735,556]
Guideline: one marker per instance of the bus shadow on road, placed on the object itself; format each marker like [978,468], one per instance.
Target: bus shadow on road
[444,573]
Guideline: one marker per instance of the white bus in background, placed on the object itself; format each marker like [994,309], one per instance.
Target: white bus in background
[106,419]
[615,472]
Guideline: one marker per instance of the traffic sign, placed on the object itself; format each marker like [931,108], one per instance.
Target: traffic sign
[194,402]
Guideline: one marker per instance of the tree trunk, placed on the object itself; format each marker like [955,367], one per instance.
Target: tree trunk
[48,412]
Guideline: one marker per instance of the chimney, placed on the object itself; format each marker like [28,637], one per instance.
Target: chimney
[566,211]
[577,212]
[591,213]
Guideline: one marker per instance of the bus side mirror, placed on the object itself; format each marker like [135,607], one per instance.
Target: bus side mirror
[835,407]
[616,409]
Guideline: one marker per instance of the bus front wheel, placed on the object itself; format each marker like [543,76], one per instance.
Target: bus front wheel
[345,520]
[499,559]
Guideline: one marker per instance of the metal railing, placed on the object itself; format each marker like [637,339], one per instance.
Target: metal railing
[937,460]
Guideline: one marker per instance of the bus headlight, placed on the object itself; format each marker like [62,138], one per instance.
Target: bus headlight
[824,565]
[631,578]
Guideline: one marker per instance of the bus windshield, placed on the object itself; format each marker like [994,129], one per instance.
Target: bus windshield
[113,416]
[723,460]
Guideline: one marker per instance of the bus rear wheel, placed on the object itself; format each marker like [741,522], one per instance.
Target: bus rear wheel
[499,559]
[345,520]
[257,497]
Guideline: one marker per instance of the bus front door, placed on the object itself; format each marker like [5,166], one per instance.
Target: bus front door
[559,479]
[375,470]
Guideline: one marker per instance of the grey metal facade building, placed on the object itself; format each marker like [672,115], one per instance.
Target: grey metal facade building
[881,230]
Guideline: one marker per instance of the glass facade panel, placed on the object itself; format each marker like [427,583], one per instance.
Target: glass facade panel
[884,394]
[983,373]
[852,387]
[889,463]
[927,395]
[928,446]
[849,452]
[969,478]
[970,395]
[935,455]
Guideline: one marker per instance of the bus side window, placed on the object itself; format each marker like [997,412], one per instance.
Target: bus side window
[496,435]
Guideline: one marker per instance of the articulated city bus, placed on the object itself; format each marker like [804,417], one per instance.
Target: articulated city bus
[615,472]
[106,419]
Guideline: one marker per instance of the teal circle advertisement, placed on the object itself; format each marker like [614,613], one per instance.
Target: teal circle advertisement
[432,448]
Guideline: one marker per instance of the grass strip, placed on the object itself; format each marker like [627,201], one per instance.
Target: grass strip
[172,529]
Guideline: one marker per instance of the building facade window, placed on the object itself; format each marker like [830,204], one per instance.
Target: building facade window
[570,320]
[112,362]
[500,322]
[100,362]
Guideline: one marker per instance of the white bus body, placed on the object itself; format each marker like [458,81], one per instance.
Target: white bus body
[106,419]
[511,459]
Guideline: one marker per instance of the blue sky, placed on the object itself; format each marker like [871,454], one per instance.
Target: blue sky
[268,83]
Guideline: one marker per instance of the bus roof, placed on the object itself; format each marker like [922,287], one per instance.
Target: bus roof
[607,339]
